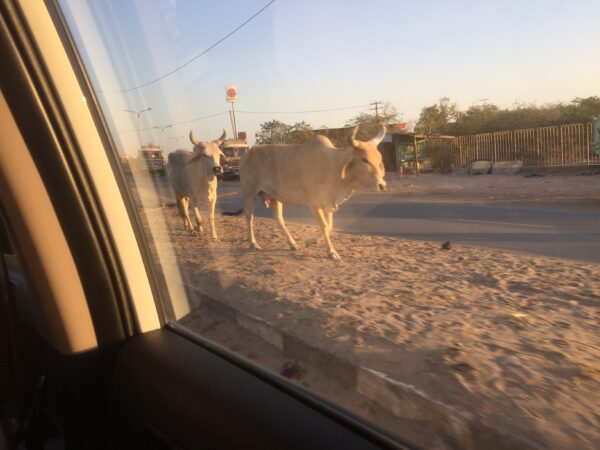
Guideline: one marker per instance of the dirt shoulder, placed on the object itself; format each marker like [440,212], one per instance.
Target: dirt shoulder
[512,340]
[497,187]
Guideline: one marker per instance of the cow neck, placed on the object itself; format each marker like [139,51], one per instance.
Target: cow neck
[344,157]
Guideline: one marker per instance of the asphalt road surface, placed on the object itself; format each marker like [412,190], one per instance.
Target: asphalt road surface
[560,229]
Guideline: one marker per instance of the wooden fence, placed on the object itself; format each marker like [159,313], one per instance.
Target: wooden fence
[562,145]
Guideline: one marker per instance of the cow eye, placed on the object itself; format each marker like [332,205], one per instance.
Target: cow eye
[365,160]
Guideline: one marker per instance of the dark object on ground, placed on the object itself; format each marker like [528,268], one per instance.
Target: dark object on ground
[293,369]
[532,175]
[233,213]
[446,245]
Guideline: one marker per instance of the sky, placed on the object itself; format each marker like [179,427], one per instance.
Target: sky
[311,55]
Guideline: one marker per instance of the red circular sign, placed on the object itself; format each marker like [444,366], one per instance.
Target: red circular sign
[231,93]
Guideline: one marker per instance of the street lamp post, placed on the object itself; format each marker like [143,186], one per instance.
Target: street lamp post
[162,130]
[138,114]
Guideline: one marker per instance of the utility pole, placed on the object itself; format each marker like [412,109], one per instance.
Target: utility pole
[233,121]
[176,139]
[376,108]
[162,129]
[484,100]
[231,97]
[139,113]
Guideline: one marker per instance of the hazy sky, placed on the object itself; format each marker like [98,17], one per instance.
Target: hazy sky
[307,55]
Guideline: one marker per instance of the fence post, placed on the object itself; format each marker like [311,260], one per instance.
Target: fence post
[537,144]
[511,144]
[495,148]
[562,148]
[586,134]
[514,145]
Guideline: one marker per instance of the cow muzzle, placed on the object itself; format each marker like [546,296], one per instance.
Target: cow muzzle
[381,187]
[217,170]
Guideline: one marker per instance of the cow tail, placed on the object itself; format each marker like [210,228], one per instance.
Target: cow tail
[233,213]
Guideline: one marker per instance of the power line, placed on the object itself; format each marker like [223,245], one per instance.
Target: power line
[303,112]
[123,91]
[178,123]
[201,118]
[254,112]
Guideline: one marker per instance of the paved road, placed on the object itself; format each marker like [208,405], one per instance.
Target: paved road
[561,229]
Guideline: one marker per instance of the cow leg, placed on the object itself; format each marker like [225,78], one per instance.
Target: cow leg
[278,216]
[329,216]
[249,205]
[322,220]
[319,237]
[198,220]
[212,201]
[180,206]
[184,209]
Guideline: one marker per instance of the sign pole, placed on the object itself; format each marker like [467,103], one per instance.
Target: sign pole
[231,120]
[234,121]
[231,97]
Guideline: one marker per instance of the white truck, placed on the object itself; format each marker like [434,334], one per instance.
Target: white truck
[233,149]
[152,158]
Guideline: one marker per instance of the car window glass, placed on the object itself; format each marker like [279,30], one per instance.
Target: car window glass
[414,231]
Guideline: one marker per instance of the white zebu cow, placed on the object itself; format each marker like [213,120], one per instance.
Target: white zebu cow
[193,175]
[315,173]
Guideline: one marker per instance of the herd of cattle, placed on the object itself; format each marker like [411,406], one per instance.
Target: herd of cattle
[314,173]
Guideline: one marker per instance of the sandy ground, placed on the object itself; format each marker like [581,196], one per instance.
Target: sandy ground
[498,187]
[510,338]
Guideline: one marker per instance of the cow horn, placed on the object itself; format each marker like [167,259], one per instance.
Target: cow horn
[353,140]
[377,139]
[192,140]
[223,136]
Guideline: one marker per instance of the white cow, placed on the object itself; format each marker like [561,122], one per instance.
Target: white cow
[193,175]
[315,173]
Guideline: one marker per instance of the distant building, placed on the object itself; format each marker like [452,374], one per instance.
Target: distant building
[397,148]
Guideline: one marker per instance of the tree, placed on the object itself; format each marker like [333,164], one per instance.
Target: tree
[583,109]
[298,133]
[520,116]
[476,119]
[369,124]
[272,132]
[436,118]
[276,132]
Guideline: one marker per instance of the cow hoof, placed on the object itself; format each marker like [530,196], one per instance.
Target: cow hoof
[255,246]
[294,247]
[215,239]
[334,255]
